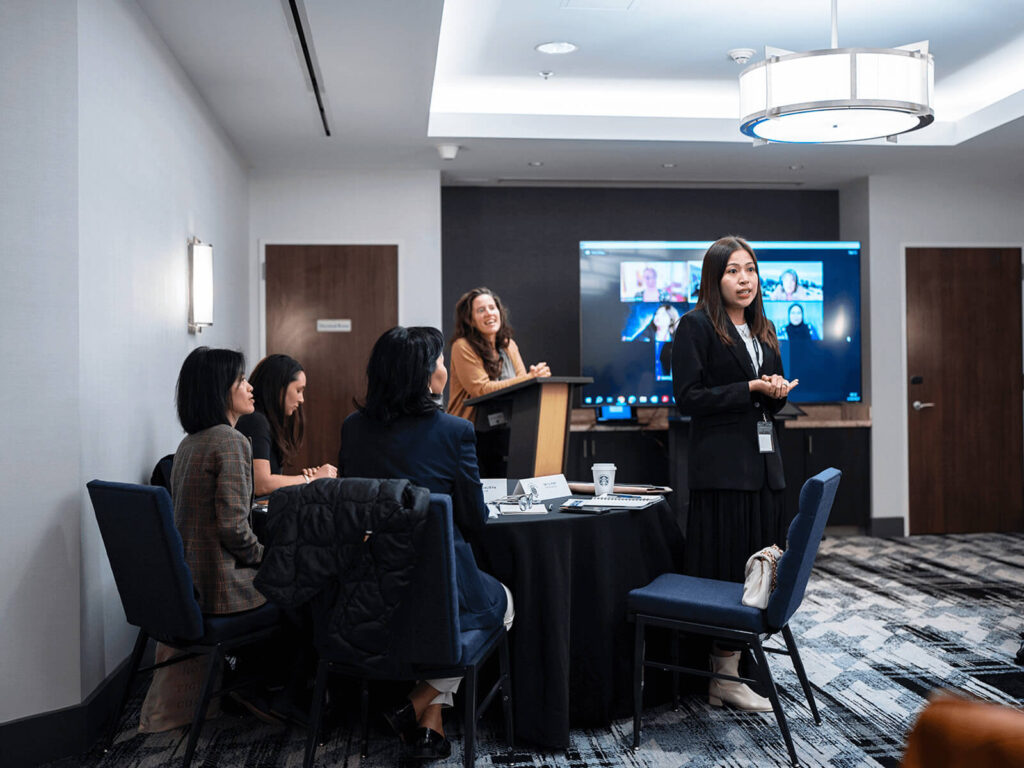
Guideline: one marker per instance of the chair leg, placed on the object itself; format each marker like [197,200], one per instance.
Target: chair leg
[506,691]
[773,696]
[364,714]
[798,665]
[469,702]
[675,675]
[319,689]
[133,665]
[638,679]
[216,658]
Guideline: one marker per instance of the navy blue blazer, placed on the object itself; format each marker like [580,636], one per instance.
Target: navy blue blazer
[710,382]
[436,451]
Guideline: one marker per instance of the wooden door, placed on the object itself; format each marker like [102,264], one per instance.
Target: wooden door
[964,392]
[310,283]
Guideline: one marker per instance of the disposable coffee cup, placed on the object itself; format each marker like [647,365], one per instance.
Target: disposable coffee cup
[604,478]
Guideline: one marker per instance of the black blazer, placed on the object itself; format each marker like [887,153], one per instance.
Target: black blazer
[710,379]
[436,451]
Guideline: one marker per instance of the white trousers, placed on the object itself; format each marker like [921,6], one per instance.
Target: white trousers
[447,686]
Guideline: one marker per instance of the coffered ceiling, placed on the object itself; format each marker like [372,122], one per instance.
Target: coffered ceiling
[649,98]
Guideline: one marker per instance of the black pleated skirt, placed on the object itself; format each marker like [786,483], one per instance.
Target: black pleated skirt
[724,528]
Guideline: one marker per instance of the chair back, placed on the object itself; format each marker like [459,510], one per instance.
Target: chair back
[147,559]
[794,568]
[162,472]
[382,583]
[427,626]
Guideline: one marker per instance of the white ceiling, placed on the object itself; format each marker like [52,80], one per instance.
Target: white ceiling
[650,85]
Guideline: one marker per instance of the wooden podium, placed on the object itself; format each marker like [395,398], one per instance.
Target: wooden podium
[536,414]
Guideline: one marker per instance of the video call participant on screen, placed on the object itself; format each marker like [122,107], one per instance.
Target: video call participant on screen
[798,330]
[485,358]
[650,292]
[399,431]
[728,378]
[276,427]
[789,288]
[662,326]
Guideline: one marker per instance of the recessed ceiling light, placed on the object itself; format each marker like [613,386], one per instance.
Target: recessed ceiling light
[796,167]
[668,165]
[557,47]
[535,163]
[546,73]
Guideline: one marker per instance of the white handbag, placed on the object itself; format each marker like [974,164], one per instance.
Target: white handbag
[759,576]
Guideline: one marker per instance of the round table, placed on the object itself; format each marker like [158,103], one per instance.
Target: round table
[572,648]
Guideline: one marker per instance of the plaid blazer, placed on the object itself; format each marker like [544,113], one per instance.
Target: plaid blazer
[211,485]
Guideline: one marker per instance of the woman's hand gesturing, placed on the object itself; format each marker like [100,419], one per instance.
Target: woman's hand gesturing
[774,386]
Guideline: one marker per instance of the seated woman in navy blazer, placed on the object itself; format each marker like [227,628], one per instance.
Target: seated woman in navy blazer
[401,431]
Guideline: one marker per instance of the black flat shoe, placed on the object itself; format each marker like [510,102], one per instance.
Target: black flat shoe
[402,720]
[428,744]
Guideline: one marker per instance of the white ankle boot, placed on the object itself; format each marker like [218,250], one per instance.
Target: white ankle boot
[738,695]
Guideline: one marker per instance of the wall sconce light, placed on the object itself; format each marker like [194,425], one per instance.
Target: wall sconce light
[200,285]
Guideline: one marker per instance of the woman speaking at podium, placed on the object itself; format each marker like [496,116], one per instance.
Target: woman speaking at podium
[484,357]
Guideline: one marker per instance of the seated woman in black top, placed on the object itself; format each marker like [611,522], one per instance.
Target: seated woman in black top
[276,426]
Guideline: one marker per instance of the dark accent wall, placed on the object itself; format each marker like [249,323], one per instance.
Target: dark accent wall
[523,243]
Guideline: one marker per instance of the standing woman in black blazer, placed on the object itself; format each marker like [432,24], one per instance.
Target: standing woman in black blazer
[728,378]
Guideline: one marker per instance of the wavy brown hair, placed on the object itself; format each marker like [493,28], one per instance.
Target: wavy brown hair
[464,329]
[710,299]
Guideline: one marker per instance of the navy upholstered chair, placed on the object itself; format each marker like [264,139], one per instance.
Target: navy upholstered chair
[148,562]
[713,608]
[426,639]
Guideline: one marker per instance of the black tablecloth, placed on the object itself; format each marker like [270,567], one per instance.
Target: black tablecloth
[572,648]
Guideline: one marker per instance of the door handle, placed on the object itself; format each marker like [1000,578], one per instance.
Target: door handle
[919,406]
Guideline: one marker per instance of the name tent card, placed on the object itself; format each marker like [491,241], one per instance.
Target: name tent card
[544,488]
[494,488]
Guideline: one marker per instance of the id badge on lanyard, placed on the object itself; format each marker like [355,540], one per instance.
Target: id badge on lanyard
[765,443]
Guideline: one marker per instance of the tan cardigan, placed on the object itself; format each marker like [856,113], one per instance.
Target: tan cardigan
[469,379]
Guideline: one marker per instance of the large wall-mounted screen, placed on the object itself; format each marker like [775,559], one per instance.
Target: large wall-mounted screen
[633,292]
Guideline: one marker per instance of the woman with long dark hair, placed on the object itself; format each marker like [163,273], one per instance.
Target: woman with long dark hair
[276,427]
[400,431]
[485,357]
[728,378]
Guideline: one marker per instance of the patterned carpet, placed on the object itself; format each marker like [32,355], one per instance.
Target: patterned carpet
[884,622]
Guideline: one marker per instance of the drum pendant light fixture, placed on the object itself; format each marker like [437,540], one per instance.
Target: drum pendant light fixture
[837,94]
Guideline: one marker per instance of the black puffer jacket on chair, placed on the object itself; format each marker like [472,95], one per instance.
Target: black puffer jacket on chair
[349,546]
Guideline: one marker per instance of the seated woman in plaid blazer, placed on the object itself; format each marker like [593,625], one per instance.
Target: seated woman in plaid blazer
[211,482]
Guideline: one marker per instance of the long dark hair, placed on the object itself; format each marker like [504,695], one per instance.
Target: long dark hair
[203,392]
[399,371]
[464,329]
[270,379]
[710,300]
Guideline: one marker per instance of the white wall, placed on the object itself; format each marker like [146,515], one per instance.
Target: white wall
[155,169]
[904,211]
[39,453]
[109,161]
[402,208]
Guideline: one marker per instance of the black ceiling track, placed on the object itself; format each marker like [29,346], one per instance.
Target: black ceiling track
[309,64]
